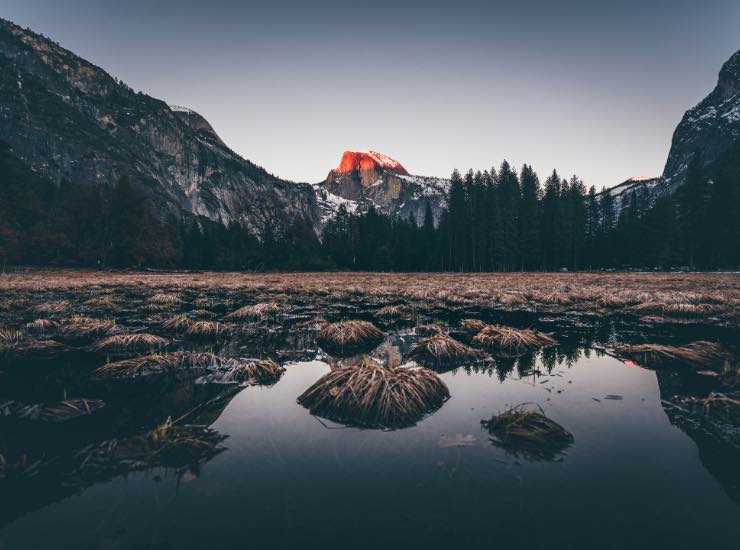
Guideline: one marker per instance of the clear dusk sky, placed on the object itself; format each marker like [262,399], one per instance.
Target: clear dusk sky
[588,87]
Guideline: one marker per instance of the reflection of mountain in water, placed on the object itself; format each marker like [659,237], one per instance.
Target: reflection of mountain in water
[718,444]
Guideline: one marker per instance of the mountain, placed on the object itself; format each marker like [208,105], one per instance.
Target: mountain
[643,185]
[367,177]
[70,121]
[711,128]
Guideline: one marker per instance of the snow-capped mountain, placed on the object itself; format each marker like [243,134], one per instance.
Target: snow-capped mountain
[368,177]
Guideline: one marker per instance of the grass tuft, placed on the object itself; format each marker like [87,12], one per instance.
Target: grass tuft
[508,340]
[350,336]
[442,350]
[376,396]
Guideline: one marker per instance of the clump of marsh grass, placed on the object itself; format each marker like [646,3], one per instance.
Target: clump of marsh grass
[51,412]
[166,298]
[391,312]
[442,350]
[375,396]
[81,328]
[675,309]
[508,340]
[55,306]
[130,342]
[262,310]
[206,329]
[177,323]
[522,429]
[158,364]
[700,354]
[349,336]
[246,372]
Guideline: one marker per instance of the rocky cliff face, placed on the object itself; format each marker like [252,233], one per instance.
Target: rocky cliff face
[367,177]
[67,119]
[711,128]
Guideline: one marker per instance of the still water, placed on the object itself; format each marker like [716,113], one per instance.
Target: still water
[288,479]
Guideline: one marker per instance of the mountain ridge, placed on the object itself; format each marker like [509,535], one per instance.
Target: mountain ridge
[69,120]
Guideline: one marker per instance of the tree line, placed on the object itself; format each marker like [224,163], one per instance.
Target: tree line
[496,220]
[504,220]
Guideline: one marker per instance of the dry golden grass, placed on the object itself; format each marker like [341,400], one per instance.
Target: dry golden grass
[699,297]
[526,430]
[349,335]
[177,323]
[263,310]
[442,350]
[700,354]
[166,298]
[58,306]
[510,340]
[391,312]
[376,396]
[86,327]
[206,329]
[130,342]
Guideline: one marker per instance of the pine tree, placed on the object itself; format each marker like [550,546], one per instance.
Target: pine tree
[529,219]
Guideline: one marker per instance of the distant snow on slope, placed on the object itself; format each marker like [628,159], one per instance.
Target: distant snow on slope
[329,203]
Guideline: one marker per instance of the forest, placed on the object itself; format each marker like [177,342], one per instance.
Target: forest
[496,220]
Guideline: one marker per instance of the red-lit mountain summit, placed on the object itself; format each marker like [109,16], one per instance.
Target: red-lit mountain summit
[368,177]
[368,160]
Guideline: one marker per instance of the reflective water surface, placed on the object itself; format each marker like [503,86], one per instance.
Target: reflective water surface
[289,479]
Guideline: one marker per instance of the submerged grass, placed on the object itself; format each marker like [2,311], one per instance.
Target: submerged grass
[246,372]
[376,396]
[51,412]
[156,364]
[526,430]
[700,354]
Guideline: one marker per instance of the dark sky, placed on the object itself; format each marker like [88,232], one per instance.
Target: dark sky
[588,87]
